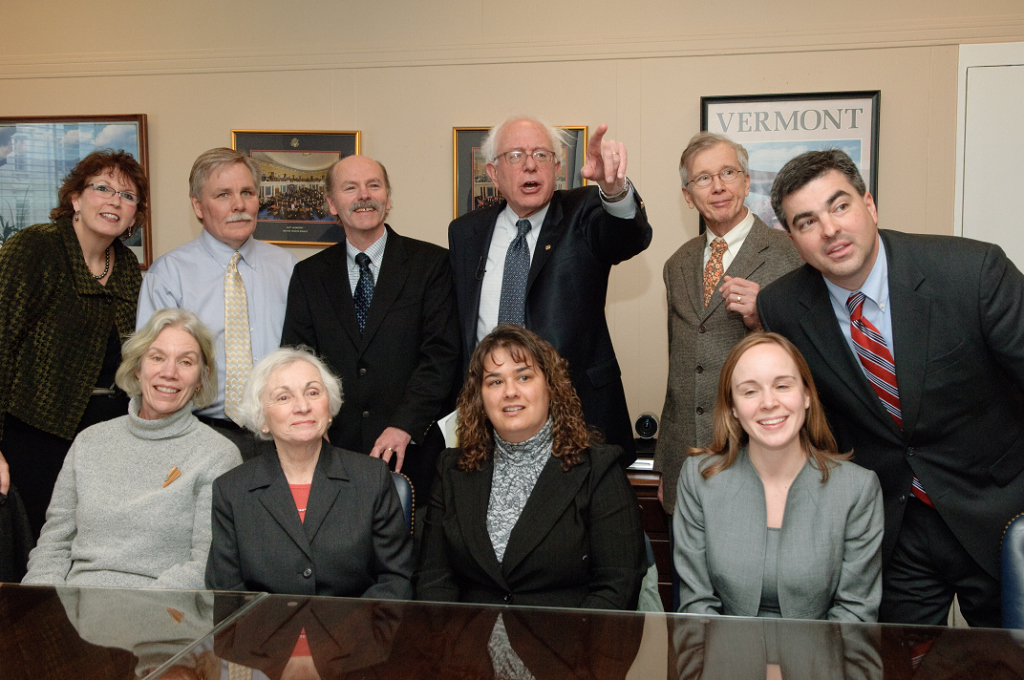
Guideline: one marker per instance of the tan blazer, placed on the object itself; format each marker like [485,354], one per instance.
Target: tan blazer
[699,339]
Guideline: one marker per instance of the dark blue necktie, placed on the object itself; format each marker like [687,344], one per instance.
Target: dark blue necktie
[364,289]
[513,282]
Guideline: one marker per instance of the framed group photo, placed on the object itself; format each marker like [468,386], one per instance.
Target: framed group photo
[37,153]
[776,128]
[293,169]
[474,189]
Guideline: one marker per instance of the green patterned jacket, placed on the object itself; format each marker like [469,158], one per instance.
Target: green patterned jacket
[55,319]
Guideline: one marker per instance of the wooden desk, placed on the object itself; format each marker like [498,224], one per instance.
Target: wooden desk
[655,522]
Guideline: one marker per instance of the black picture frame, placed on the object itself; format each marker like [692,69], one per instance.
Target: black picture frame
[777,127]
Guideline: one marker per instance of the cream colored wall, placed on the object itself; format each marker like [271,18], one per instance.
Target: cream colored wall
[405,72]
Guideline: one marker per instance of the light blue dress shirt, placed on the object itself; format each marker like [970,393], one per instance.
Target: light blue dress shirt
[876,304]
[192,277]
[376,254]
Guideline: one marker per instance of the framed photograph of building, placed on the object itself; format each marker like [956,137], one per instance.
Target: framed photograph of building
[37,153]
[293,168]
[775,128]
[474,189]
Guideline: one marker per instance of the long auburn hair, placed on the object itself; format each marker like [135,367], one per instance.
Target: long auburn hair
[815,436]
[569,429]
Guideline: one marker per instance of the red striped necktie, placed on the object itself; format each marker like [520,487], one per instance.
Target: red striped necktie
[880,370]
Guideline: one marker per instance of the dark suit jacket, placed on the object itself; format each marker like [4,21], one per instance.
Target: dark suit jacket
[354,542]
[565,293]
[958,336]
[402,370]
[700,338]
[578,542]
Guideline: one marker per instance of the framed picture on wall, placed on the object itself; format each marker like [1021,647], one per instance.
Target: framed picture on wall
[293,168]
[775,128]
[37,153]
[474,189]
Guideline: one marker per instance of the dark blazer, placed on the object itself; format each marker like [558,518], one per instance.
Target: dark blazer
[578,542]
[402,370]
[958,336]
[565,293]
[354,542]
[700,338]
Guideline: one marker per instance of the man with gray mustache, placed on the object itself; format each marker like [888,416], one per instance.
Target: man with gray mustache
[236,285]
[379,308]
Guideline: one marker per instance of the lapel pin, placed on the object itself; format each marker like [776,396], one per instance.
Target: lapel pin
[172,475]
[176,615]
[547,247]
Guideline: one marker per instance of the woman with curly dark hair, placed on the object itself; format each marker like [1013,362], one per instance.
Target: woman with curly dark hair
[531,509]
[68,293]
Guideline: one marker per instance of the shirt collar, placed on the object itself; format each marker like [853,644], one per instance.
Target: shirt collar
[734,237]
[222,252]
[875,287]
[536,219]
[375,251]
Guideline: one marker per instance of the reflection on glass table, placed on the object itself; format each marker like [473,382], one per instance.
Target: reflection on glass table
[101,633]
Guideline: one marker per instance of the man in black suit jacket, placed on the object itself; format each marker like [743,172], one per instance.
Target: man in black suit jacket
[575,237]
[399,370]
[949,449]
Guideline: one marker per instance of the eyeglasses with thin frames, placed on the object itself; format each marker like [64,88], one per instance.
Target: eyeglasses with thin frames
[108,192]
[541,157]
[728,176]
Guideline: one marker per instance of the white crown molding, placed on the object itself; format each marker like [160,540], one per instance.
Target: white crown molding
[879,35]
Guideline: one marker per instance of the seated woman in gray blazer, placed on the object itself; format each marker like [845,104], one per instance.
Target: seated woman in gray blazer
[305,517]
[771,520]
[530,510]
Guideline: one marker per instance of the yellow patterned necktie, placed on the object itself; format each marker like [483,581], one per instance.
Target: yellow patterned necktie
[237,350]
[713,269]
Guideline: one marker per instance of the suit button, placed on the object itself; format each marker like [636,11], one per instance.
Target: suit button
[366,414]
[700,410]
[362,372]
[508,598]
[910,451]
[308,572]
[702,329]
[903,499]
[700,369]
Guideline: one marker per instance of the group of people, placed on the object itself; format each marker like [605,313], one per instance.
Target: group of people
[877,499]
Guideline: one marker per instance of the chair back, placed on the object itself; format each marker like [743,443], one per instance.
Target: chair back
[407,495]
[1013,573]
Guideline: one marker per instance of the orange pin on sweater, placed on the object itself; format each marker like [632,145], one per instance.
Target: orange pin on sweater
[172,475]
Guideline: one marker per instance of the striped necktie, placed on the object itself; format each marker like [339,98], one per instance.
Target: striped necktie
[880,370]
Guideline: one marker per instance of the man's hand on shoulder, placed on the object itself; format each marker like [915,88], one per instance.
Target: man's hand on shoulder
[741,297]
[392,441]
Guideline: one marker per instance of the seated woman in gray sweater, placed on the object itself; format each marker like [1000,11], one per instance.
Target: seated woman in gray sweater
[131,507]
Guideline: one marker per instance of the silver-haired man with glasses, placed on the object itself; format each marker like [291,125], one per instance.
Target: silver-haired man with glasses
[540,258]
[712,283]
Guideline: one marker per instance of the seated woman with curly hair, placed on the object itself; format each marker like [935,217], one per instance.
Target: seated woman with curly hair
[530,510]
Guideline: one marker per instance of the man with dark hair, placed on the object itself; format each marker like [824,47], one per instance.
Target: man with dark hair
[380,309]
[712,283]
[235,284]
[541,259]
[916,344]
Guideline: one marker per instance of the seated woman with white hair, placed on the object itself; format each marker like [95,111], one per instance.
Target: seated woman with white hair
[131,507]
[305,517]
